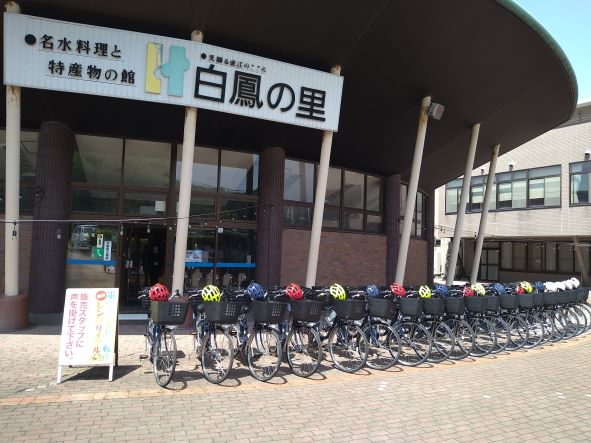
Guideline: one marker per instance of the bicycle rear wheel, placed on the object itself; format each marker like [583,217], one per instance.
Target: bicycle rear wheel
[502,332]
[263,353]
[443,342]
[217,355]
[348,347]
[485,337]
[572,323]
[464,338]
[547,326]
[383,345]
[535,330]
[164,357]
[415,343]
[560,324]
[304,350]
[581,317]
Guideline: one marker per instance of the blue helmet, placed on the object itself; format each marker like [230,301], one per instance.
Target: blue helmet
[539,286]
[372,291]
[441,290]
[255,291]
[498,288]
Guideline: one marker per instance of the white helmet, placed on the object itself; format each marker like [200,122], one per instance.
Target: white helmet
[560,285]
[576,282]
[568,284]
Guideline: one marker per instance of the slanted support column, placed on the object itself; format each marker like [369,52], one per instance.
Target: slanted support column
[270,217]
[413,185]
[392,225]
[455,244]
[484,214]
[182,225]
[319,201]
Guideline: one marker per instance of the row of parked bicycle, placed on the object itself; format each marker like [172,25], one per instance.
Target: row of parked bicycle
[374,326]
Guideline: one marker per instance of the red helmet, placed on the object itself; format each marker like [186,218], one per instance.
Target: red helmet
[158,292]
[294,291]
[519,290]
[468,291]
[398,290]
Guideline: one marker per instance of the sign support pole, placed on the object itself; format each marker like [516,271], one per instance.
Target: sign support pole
[484,213]
[319,201]
[413,185]
[455,245]
[182,225]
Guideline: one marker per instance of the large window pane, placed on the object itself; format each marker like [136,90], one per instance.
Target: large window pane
[144,204]
[550,262]
[374,223]
[202,207]
[519,194]
[97,160]
[579,188]
[298,181]
[205,168]
[519,256]
[504,195]
[331,217]
[352,220]
[565,258]
[147,164]
[239,210]
[544,172]
[451,200]
[239,173]
[85,200]
[374,197]
[536,192]
[535,256]
[333,187]
[354,190]
[297,215]
[552,191]
[476,197]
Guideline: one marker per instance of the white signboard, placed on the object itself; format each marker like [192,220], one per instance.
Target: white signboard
[62,56]
[107,253]
[89,328]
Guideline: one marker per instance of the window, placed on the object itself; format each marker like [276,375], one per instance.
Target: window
[239,173]
[506,255]
[418,229]
[550,253]
[452,200]
[147,164]
[97,160]
[476,197]
[519,256]
[353,200]
[535,257]
[565,258]
[28,157]
[580,178]
[205,169]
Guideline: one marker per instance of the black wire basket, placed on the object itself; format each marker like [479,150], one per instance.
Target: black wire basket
[455,305]
[508,301]
[349,309]
[493,303]
[561,298]
[168,312]
[549,298]
[306,310]
[525,300]
[538,299]
[381,307]
[223,312]
[411,307]
[476,305]
[271,312]
[572,295]
[434,306]
[583,294]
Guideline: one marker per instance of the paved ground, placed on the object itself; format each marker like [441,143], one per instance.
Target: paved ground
[538,395]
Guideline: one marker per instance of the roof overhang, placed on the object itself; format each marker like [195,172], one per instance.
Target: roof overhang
[486,61]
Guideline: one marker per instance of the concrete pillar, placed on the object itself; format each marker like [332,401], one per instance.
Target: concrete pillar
[392,225]
[484,213]
[430,235]
[270,217]
[52,202]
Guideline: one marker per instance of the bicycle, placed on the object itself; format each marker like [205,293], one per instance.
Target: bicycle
[303,344]
[455,314]
[383,340]
[160,340]
[416,341]
[485,338]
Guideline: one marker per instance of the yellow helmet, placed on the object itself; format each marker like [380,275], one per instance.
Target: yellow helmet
[211,293]
[478,289]
[526,287]
[425,291]
[338,292]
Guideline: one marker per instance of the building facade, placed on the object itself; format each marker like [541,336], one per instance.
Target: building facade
[539,225]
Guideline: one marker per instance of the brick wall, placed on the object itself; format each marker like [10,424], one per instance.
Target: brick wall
[352,259]
[26,231]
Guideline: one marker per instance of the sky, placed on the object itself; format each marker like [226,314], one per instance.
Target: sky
[569,22]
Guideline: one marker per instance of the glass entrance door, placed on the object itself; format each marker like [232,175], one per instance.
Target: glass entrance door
[489,265]
[221,256]
[143,260]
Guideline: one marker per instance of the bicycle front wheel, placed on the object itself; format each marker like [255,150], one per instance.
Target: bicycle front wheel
[485,337]
[535,330]
[217,355]
[443,342]
[464,338]
[263,353]
[415,343]
[502,332]
[383,345]
[348,347]
[164,357]
[304,351]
